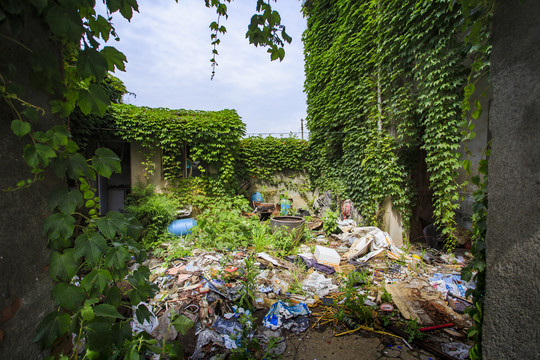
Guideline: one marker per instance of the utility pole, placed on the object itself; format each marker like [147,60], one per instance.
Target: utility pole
[302,127]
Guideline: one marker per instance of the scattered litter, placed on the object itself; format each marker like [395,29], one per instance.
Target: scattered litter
[449,283]
[269,258]
[425,286]
[147,326]
[280,311]
[456,350]
[204,338]
[317,284]
[326,256]
[297,325]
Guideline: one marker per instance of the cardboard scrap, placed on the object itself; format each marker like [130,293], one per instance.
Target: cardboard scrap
[424,304]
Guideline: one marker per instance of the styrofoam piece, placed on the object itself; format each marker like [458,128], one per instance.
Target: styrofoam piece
[326,256]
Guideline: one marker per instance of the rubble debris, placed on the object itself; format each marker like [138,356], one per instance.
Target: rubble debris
[205,337]
[375,240]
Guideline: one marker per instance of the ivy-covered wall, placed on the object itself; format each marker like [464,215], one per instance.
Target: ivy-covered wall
[212,137]
[160,137]
[384,83]
[276,167]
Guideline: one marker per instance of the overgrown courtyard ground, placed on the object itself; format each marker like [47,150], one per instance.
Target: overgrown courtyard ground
[231,263]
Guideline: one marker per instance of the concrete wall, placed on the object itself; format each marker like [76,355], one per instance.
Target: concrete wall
[477,147]
[25,284]
[512,304]
[139,175]
[392,222]
[294,184]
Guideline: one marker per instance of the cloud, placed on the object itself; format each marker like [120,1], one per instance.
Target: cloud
[168,50]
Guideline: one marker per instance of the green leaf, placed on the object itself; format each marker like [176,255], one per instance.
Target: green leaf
[142,313]
[77,166]
[20,128]
[112,223]
[91,247]
[31,113]
[127,7]
[59,227]
[117,257]
[87,313]
[68,296]
[105,162]
[45,152]
[182,324]
[100,335]
[97,279]
[65,23]
[58,136]
[63,266]
[132,353]
[106,310]
[30,155]
[100,26]
[51,328]
[91,62]
[114,58]
[39,4]
[94,100]
[65,200]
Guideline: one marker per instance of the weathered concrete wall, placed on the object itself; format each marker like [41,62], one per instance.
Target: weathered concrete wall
[139,176]
[512,305]
[25,284]
[392,222]
[477,146]
[294,184]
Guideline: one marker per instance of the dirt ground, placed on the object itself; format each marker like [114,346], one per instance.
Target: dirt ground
[360,346]
[320,343]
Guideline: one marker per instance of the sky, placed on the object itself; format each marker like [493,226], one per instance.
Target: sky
[167,45]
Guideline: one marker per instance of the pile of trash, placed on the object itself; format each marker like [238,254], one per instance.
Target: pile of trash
[207,287]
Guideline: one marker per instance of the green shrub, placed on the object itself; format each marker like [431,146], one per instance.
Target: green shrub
[155,211]
[330,219]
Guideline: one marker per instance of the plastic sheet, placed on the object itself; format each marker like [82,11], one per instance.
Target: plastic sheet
[297,325]
[373,239]
[456,350]
[206,337]
[280,312]
[449,283]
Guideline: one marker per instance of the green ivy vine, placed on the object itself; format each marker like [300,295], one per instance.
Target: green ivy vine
[384,80]
[212,138]
[262,157]
[477,21]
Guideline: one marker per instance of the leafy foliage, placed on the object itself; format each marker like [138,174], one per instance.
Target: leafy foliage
[476,270]
[383,80]
[330,219]
[261,157]
[211,136]
[155,211]
[477,22]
